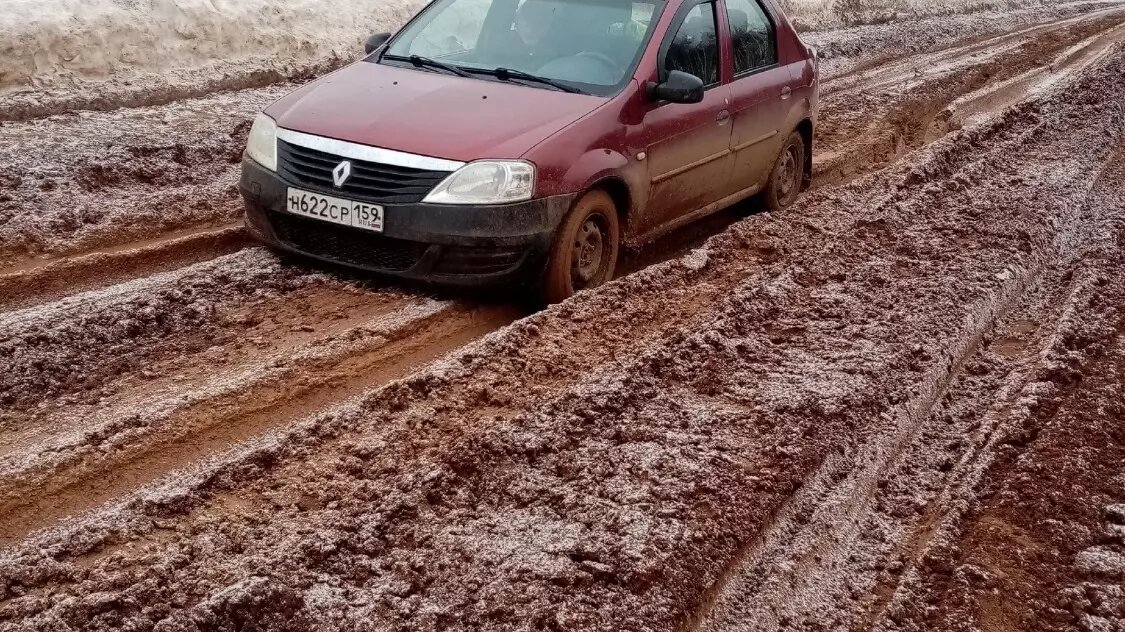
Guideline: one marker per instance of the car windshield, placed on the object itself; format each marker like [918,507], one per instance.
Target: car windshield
[588,45]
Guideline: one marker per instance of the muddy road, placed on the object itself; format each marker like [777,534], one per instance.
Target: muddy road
[895,406]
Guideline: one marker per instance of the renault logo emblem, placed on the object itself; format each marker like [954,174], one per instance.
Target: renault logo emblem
[341,173]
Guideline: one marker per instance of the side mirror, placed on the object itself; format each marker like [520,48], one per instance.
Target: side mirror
[679,87]
[374,42]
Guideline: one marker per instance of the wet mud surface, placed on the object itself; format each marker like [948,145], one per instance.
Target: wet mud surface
[874,117]
[82,181]
[894,406]
[1040,547]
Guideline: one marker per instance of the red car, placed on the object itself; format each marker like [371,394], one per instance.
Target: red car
[522,141]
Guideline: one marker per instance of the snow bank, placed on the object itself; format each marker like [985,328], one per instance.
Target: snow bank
[822,14]
[63,55]
[57,44]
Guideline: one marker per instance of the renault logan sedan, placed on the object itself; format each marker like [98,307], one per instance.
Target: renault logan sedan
[523,141]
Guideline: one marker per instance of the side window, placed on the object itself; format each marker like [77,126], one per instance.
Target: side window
[752,36]
[695,48]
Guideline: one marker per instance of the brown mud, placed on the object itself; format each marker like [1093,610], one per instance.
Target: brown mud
[1040,547]
[873,118]
[844,416]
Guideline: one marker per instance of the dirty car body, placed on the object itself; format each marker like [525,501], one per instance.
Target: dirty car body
[453,152]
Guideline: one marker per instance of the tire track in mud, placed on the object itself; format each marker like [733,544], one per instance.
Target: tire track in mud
[100,96]
[251,340]
[567,471]
[874,118]
[46,349]
[121,447]
[1041,549]
[1055,358]
[556,368]
[850,51]
[167,193]
[880,73]
[836,555]
[131,448]
[31,282]
[479,429]
[148,375]
[94,181]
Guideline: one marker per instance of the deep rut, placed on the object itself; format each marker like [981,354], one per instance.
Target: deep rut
[37,281]
[108,463]
[873,119]
[753,436]
[837,554]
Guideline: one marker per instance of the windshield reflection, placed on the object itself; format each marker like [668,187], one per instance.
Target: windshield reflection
[592,45]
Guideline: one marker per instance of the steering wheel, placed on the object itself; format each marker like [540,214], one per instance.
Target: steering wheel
[603,59]
[583,68]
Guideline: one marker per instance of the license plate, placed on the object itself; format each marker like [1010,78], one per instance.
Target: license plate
[335,210]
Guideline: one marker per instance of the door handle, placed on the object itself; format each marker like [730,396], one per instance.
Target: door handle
[722,117]
[785,92]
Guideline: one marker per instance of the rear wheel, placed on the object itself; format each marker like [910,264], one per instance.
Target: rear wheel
[584,252]
[785,180]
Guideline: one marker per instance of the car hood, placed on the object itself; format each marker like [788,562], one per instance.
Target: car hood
[429,113]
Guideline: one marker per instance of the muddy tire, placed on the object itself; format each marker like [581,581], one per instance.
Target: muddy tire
[584,252]
[788,173]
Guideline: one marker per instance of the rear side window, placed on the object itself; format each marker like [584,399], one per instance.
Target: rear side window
[695,48]
[752,36]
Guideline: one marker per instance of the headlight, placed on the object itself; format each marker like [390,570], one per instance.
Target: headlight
[262,145]
[486,182]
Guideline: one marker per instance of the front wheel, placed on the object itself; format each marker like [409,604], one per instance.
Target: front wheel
[584,252]
[788,173]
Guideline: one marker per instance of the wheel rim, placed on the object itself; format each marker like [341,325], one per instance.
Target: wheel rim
[589,258]
[789,175]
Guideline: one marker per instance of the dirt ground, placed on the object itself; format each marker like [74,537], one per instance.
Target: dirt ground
[895,406]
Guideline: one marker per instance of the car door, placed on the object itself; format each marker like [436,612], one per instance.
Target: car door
[688,145]
[760,94]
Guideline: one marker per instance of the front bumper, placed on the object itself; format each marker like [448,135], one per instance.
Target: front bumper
[444,244]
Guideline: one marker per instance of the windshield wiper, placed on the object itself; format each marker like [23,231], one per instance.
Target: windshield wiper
[507,74]
[420,61]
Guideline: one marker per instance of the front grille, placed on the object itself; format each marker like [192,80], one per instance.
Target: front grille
[474,260]
[370,181]
[346,245]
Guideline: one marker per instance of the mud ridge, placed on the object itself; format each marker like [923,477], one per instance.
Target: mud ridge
[789,427]
[111,462]
[91,181]
[30,105]
[606,488]
[814,571]
[869,126]
[27,284]
[1075,366]
[46,349]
